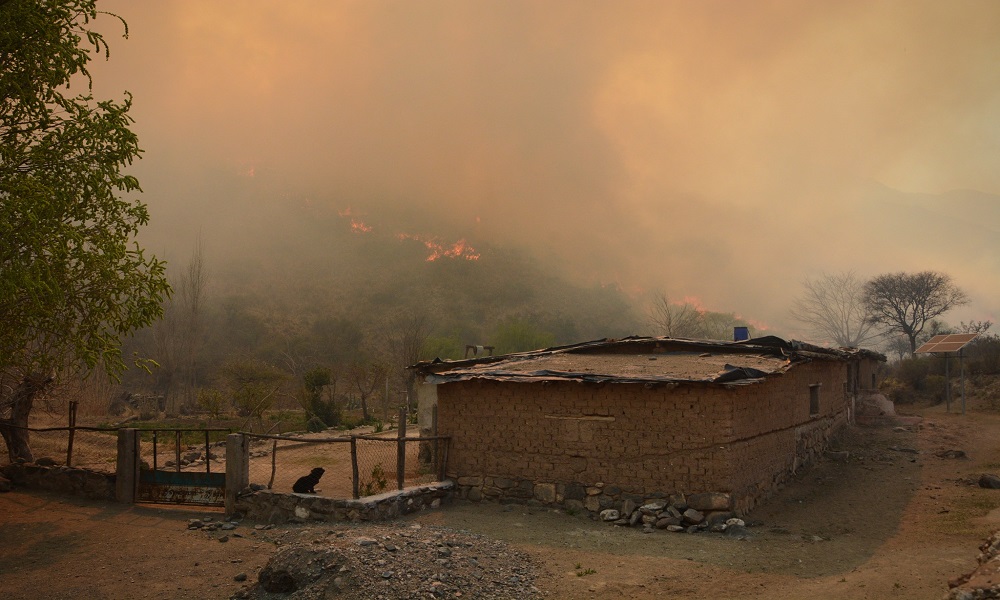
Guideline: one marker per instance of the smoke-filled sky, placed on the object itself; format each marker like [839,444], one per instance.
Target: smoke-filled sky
[719,149]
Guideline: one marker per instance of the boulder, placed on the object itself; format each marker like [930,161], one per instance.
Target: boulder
[989,481]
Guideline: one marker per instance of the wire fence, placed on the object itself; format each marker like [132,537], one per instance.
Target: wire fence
[353,466]
[94,448]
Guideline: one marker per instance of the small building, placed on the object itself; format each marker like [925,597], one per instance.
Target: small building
[592,425]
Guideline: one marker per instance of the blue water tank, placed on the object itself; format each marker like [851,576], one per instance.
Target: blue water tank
[741,333]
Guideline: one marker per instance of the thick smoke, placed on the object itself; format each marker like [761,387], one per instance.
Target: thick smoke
[717,150]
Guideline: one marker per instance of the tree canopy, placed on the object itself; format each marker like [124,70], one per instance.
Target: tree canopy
[73,280]
[906,302]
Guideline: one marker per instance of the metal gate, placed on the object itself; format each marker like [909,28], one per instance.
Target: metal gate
[181,483]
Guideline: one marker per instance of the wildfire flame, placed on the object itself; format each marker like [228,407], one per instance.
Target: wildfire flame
[437,249]
[358,226]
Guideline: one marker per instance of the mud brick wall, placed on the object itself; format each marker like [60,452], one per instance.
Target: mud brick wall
[775,433]
[665,438]
[544,442]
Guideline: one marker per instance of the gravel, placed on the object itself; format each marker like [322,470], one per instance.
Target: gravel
[388,562]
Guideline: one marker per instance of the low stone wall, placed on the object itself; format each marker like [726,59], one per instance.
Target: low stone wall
[578,497]
[63,480]
[278,507]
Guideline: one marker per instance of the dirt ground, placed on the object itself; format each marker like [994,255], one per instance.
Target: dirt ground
[894,521]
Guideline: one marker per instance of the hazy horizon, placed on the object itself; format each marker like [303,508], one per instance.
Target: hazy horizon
[717,151]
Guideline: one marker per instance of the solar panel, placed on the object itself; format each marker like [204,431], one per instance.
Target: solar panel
[952,342]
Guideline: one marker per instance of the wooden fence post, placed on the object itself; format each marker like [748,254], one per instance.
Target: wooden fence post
[72,430]
[401,450]
[435,448]
[354,466]
[127,472]
[237,468]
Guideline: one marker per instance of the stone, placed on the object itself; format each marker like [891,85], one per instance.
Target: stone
[240,577]
[652,508]
[4,484]
[709,501]
[365,541]
[693,516]
[648,519]
[45,461]
[989,481]
[575,491]
[634,518]
[664,522]
[545,492]
[475,494]
[628,506]
[610,514]
[470,481]
[737,531]
[593,490]
[674,528]
[837,455]
[592,503]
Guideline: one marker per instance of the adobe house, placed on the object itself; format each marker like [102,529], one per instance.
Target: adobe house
[592,425]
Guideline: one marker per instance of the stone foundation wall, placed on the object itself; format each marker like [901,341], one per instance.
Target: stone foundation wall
[278,507]
[63,480]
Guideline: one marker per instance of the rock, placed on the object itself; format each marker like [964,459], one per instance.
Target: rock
[365,541]
[989,481]
[634,518]
[628,506]
[693,516]
[736,531]
[610,514]
[665,522]
[45,461]
[4,484]
[951,454]
[675,528]
[838,455]
[240,577]
[653,508]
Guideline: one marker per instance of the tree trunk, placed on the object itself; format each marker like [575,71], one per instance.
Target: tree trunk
[15,429]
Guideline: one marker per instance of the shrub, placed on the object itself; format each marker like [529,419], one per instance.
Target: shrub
[897,391]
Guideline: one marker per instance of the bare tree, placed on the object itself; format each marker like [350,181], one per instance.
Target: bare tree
[905,302]
[833,307]
[179,335]
[367,378]
[674,320]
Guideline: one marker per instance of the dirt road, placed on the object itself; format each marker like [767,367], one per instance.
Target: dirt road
[894,521]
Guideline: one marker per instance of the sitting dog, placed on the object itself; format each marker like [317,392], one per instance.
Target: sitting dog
[307,484]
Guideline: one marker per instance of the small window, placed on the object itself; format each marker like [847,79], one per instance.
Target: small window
[814,400]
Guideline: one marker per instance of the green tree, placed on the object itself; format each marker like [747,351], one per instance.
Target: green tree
[906,302]
[73,280]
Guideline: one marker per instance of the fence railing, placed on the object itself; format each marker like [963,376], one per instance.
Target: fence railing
[354,465]
[92,448]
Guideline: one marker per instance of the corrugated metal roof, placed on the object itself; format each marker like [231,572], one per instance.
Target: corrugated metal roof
[642,360]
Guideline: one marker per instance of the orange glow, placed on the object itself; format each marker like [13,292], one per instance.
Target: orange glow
[460,249]
[693,301]
[358,226]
